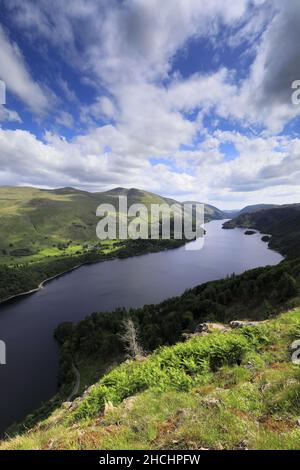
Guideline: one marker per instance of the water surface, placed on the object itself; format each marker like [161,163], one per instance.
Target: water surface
[27,324]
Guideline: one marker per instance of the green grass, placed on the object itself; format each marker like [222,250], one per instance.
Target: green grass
[47,223]
[34,221]
[229,390]
[103,247]
[180,367]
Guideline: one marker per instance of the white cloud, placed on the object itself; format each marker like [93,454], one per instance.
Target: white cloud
[68,93]
[266,95]
[126,50]
[132,39]
[262,165]
[9,115]
[65,119]
[17,77]
[102,109]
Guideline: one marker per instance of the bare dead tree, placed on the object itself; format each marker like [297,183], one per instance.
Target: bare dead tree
[130,339]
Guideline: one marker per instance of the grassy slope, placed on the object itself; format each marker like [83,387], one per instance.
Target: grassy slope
[47,232]
[232,390]
[36,222]
[283,223]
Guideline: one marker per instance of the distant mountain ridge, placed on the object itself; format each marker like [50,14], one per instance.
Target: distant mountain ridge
[136,195]
[211,212]
[256,208]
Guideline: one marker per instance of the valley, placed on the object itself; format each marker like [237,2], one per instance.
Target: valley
[45,233]
[118,289]
[28,324]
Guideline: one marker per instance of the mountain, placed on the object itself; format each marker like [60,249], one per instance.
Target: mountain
[210,212]
[37,219]
[135,196]
[256,208]
[47,232]
[230,214]
[282,223]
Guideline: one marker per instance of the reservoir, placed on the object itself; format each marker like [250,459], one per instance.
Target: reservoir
[26,324]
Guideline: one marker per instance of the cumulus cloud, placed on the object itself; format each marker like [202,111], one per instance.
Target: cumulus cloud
[146,126]
[267,92]
[102,109]
[262,165]
[9,115]
[65,119]
[68,93]
[17,78]
[122,40]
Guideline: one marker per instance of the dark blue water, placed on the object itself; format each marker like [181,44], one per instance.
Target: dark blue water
[27,324]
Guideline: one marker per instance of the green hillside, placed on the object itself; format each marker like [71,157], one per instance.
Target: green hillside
[217,388]
[256,208]
[201,382]
[223,389]
[47,232]
[211,212]
[37,223]
[282,223]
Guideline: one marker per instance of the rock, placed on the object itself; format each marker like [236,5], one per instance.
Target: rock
[75,403]
[67,405]
[217,326]
[219,446]
[241,324]
[129,402]
[108,407]
[236,324]
[202,327]
[243,445]
[249,366]
[187,336]
[210,402]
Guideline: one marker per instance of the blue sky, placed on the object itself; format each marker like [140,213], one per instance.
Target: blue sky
[185,98]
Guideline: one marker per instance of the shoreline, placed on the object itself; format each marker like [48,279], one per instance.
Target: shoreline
[261,234]
[40,286]
[51,278]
